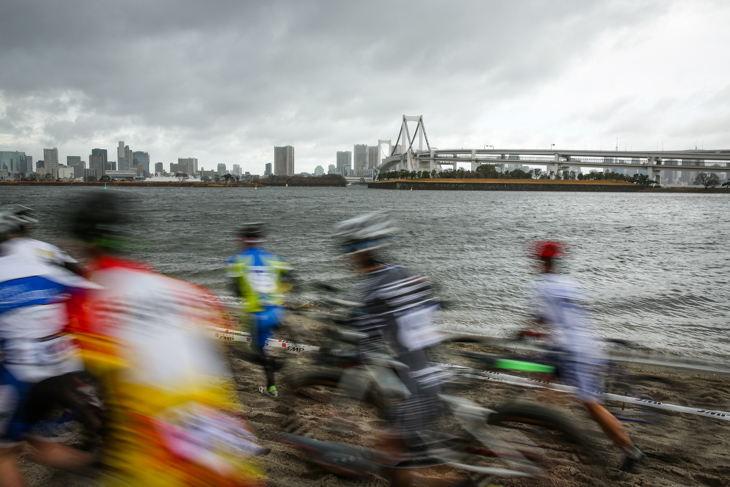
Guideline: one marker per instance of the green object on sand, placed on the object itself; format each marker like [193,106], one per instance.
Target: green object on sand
[520,365]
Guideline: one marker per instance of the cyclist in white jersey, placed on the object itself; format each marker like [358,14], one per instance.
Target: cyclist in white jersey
[16,222]
[557,303]
[40,362]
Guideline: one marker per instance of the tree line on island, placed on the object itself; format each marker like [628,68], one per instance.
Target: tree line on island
[488,171]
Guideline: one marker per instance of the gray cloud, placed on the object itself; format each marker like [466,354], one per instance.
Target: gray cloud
[224,81]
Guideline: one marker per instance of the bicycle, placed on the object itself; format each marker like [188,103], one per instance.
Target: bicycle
[533,357]
[484,442]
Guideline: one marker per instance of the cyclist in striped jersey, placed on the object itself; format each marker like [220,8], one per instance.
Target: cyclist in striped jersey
[396,314]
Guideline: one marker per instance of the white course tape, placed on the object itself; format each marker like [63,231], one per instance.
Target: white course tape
[525,382]
[227,335]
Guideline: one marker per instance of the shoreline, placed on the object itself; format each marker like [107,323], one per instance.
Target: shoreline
[164,184]
[528,185]
[407,185]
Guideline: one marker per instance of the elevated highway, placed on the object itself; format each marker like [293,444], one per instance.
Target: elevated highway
[404,155]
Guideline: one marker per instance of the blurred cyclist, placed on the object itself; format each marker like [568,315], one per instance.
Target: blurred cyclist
[396,315]
[18,222]
[557,303]
[172,417]
[258,279]
[39,372]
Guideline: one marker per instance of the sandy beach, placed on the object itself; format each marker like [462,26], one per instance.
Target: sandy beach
[683,449]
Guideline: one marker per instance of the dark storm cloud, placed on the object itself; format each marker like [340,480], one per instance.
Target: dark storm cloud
[224,78]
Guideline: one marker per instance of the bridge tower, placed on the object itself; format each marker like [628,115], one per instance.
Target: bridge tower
[404,143]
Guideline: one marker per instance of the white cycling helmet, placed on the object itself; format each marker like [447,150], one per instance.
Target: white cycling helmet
[16,219]
[365,232]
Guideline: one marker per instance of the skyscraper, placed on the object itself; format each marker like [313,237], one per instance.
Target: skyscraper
[344,159]
[78,165]
[188,165]
[361,159]
[318,171]
[373,157]
[97,161]
[159,168]
[122,162]
[267,171]
[222,169]
[284,161]
[50,156]
[142,159]
[13,162]
[236,171]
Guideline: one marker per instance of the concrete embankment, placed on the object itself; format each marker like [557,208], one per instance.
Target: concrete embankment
[505,185]
[172,184]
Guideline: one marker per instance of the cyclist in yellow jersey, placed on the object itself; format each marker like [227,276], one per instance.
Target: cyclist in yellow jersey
[257,277]
[172,415]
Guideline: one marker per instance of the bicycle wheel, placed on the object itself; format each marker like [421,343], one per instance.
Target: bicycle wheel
[621,381]
[548,438]
[326,406]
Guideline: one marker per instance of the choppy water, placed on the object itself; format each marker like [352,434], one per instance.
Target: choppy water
[655,265]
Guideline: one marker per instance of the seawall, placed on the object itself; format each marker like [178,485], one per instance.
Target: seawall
[506,185]
[167,184]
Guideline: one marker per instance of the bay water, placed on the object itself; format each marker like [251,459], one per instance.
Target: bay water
[654,264]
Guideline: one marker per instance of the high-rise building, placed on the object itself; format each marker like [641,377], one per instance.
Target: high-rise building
[361,159]
[50,156]
[267,171]
[332,169]
[236,170]
[373,157]
[125,157]
[90,174]
[142,159]
[284,161]
[122,157]
[159,168]
[41,164]
[28,164]
[13,162]
[97,161]
[221,169]
[318,171]
[344,159]
[188,165]
[77,164]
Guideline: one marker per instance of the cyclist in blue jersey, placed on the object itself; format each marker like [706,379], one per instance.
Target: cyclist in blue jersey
[557,304]
[258,278]
[40,367]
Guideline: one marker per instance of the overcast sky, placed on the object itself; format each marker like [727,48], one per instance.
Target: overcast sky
[226,81]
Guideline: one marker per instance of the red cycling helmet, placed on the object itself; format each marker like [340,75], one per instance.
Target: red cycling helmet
[547,250]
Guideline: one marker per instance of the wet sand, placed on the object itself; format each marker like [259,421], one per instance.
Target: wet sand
[683,449]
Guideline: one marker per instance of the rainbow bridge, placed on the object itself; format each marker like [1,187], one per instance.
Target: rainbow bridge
[406,155]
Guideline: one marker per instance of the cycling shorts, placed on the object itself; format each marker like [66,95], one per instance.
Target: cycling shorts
[25,407]
[264,324]
[586,376]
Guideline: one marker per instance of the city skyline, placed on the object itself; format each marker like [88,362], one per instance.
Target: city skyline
[584,75]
